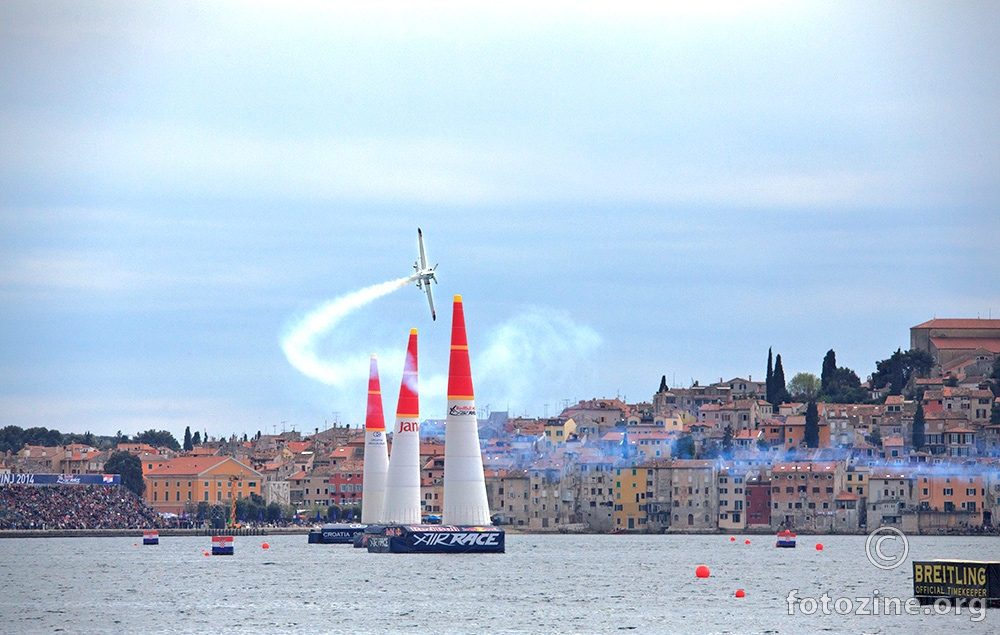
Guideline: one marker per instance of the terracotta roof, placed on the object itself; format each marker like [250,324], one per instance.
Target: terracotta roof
[958,323]
[846,496]
[693,463]
[192,466]
[992,344]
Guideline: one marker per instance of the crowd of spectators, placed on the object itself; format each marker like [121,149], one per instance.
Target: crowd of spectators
[73,507]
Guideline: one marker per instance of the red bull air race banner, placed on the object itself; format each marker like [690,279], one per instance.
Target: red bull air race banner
[437,539]
[60,479]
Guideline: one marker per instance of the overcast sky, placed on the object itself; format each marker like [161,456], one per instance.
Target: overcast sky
[617,192]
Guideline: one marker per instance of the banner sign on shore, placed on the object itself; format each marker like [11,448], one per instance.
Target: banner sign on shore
[60,479]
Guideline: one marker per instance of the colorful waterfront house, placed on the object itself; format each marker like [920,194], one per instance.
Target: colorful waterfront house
[558,431]
[694,496]
[952,488]
[758,500]
[186,481]
[632,487]
[803,494]
[732,497]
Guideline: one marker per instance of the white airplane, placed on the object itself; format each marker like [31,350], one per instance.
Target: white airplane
[425,274]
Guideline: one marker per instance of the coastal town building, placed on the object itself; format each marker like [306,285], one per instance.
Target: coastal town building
[185,481]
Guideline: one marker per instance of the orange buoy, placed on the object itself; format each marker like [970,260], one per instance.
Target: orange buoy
[819,546]
[702,571]
[265,546]
[740,593]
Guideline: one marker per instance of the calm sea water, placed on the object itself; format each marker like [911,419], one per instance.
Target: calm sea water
[543,584]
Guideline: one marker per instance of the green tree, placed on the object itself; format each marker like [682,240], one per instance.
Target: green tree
[684,447]
[780,390]
[829,368]
[919,438]
[158,438]
[899,369]
[188,445]
[11,439]
[727,441]
[839,384]
[196,438]
[274,513]
[811,433]
[130,468]
[875,437]
[769,379]
[804,387]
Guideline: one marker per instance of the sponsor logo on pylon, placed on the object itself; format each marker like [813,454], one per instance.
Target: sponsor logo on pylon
[462,411]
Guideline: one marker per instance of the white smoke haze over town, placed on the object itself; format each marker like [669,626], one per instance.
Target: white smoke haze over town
[534,352]
[618,191]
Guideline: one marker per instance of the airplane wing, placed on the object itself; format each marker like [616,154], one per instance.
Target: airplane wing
[430,300]
[423,256]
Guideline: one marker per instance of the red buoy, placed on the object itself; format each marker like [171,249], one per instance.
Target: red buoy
[747,541]
[732,539]
[819,546]
[265,546]
[740,593]
[702,571]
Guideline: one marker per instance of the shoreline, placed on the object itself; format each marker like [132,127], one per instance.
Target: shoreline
[137,533]
[291,531]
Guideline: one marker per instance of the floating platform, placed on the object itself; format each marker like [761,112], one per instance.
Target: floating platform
[785,540]
[336,533]
[222,545]
[150,537]
[436,539]
[361,539]
[957,581]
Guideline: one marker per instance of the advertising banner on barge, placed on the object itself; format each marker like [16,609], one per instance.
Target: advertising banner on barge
[957,580]
[335,534]
[437,539]
[60,479]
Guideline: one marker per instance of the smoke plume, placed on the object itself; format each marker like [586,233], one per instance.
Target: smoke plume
[300,341]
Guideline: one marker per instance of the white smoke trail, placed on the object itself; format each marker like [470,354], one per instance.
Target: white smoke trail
[535,356]
[300,341]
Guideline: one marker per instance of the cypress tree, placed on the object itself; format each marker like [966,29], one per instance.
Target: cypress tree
[778,379]
[196,438]
[829,374]
[918,426]
[188,445]
[769,380]
[811,435]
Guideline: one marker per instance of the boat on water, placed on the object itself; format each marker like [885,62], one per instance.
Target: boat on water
[786,539]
